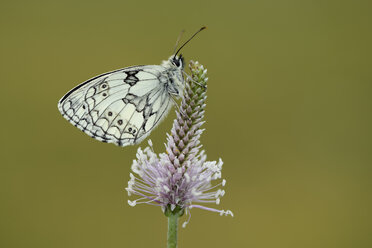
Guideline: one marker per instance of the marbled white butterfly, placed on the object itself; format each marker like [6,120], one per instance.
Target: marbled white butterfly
[125,105]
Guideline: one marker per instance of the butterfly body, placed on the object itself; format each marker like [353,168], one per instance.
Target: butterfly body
[124,106]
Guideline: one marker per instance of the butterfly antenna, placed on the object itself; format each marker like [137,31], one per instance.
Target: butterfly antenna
[202,28]
[178,40]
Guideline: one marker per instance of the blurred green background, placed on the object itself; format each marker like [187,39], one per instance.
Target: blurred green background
[289,112]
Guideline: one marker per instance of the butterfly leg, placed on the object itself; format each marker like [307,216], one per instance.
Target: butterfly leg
[178,108]
[191,79]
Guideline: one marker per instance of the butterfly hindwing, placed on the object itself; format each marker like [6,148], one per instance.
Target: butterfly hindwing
[120,107]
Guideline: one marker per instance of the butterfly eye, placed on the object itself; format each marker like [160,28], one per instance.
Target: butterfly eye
[104,86]
[104,94]
[120,122]
[176,62]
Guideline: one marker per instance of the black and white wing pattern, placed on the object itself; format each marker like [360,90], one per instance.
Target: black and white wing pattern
[120,107]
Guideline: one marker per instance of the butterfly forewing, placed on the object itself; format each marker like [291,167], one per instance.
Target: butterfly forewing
[124,106]
[120,107]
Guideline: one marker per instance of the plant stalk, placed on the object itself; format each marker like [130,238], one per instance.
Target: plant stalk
[172,230]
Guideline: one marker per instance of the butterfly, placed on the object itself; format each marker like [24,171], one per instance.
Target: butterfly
[125,105]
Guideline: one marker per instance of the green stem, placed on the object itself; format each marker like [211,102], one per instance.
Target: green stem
[172,230]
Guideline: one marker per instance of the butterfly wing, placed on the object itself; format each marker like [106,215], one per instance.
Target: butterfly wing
[120,107]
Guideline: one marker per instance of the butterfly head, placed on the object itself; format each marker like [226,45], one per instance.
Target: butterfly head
[178,61]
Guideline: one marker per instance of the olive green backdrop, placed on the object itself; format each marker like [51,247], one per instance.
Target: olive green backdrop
[289,112]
